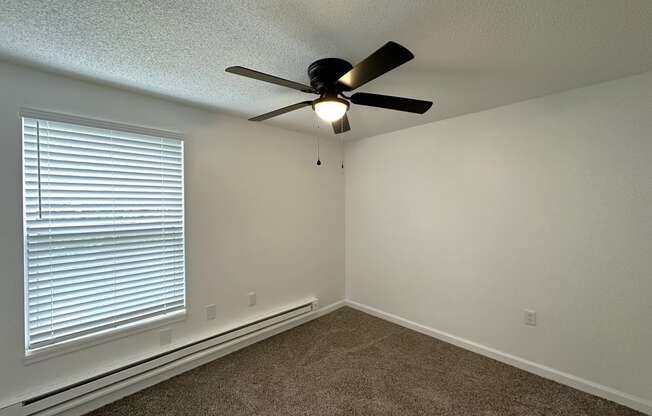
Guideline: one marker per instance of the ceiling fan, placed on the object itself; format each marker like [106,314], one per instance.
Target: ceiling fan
[331,77]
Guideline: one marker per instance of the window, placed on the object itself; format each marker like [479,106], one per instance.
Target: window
[103,227]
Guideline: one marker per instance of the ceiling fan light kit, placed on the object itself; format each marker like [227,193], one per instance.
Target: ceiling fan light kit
[331,77]
[330,108]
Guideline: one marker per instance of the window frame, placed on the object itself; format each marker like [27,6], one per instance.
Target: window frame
[108,334]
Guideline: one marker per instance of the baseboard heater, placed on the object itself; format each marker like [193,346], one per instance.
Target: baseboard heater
[74,395]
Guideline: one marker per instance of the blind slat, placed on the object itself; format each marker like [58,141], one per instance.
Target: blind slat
[72,160]
[99,236]
[101,250]
[104,228]
[93,261]
[84,281]
[52,172]
[92,271]
[79,231]
[100,245]
[54,166]
[44,296]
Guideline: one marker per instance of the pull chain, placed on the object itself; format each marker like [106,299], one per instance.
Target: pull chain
[316,126]
[342,150]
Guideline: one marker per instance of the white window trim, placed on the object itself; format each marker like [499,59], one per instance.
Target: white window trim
[34,355]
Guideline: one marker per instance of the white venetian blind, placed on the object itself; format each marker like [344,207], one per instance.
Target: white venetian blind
[104,228]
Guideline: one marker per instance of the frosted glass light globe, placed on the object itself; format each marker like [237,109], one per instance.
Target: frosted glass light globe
[331,109]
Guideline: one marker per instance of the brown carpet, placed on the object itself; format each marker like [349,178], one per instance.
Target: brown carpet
[350,363]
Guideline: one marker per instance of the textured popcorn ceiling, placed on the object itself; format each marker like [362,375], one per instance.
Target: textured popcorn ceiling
[470,54]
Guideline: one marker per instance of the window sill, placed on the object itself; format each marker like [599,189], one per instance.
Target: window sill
[87,341]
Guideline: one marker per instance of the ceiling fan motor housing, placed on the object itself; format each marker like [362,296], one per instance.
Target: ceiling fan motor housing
[324,74]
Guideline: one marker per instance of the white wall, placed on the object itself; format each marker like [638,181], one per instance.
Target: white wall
[461,224]
[259,216]
[458,225]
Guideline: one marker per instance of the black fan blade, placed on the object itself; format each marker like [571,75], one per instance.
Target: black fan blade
[383,60]
[393,103]
[250,73]
[281,111]
[342,125]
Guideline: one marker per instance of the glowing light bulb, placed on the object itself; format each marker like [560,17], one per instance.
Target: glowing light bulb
[331,109]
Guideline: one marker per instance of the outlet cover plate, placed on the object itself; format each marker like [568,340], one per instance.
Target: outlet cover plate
[211,312]
[252,298]
[530,317]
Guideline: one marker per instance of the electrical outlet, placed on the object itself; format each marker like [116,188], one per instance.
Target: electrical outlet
[165,336]
[252,298]
[530,317]
[211,312]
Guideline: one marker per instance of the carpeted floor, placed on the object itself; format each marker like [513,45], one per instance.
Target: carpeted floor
[350,363]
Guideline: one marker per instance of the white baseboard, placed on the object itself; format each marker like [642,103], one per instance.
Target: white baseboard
[634,402]
[92,401]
